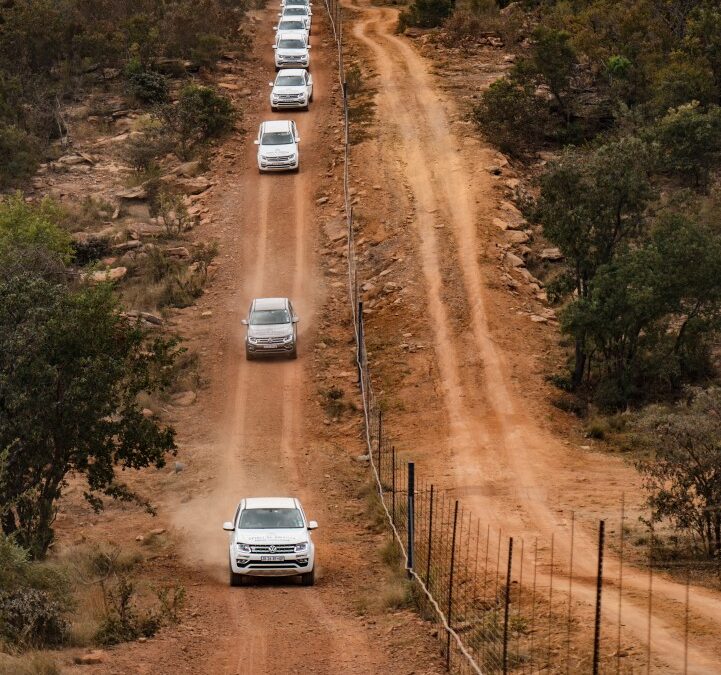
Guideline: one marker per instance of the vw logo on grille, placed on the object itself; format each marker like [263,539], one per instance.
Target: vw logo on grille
[272,549]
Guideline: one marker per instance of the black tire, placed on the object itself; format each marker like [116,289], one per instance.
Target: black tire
[236,579]
[308,579]
[310,100]
[306,107]
[294,354]
[249,356]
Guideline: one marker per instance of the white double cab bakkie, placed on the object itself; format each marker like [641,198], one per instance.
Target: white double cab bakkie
[291,47]
[278,146]
[272,328]
[302,12]
[291,89]
[270,537]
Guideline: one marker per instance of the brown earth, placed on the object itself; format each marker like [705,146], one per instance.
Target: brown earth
[258,428]
[468,401]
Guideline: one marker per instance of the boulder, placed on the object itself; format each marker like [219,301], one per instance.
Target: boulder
[551,254]
[90,658]
[188,169]
[513,260]
[194,186]
[114,274]
[184,398]
[516,237]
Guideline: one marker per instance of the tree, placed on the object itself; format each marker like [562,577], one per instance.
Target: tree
[24,226]
[512,116]
[689,141]
[591,204]
[71,368]
[426,13]
[680,80]
[683,476]
[200,114]
[554,59]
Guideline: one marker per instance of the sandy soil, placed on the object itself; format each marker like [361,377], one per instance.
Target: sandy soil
[471,405]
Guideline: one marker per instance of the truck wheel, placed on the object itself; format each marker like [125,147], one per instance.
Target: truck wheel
[308,579]
[236,579]
[294,354]
[249,356]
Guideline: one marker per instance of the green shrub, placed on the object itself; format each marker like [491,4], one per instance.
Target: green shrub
[24,225]
[148,86]
[512,115]
[19,155]
[207,50]
[32,618]
[90,250]
[200,114]
[425,14]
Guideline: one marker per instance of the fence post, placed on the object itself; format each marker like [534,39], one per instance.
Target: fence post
[359,346]
[411,514]
[507,603]
[450,587]
[393,482]
[380,428]
[430,540]
[599,589]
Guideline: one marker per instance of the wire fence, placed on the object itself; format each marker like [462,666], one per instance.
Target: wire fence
[584,600]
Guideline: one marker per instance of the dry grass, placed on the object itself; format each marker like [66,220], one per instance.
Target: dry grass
[30,663]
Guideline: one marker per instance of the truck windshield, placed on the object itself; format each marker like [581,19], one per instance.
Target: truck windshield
[295,11]
[291,25]
[269,519]
[291,44]
[290,81]
[269,317]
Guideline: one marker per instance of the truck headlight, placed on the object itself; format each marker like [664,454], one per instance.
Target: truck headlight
[301,548]
[288,338]
[245,548]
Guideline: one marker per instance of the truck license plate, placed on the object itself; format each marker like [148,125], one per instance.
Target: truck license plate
[272,558]
[269,346]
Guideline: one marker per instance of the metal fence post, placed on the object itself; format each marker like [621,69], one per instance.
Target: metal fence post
[411,514]
[450,587]
[380,428]
[393,483]
[507,604]
[599,589]
[359,346]
[430,539]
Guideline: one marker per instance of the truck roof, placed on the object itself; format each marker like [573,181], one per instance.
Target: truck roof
[271,503]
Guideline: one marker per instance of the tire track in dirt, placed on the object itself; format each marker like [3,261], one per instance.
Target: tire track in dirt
[262,432]
[494,437]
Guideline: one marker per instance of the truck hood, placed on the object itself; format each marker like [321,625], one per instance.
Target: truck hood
[296,535]
[289,90]
[276,330]
[292,52]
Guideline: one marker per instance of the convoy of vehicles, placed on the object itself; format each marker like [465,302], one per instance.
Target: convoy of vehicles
[270,536]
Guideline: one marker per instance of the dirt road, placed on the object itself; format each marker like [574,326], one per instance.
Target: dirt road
[508,465]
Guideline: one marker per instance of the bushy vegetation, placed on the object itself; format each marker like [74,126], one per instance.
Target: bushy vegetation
[50,47]
[683,471]
[627,95]
[425,13]
[84,364]
[34,599]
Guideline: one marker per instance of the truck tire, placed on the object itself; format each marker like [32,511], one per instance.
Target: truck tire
[249,356]
[308,579]
[294,354]
[236,579]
